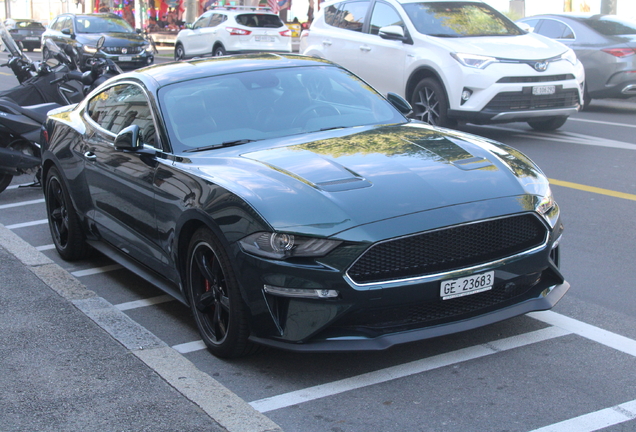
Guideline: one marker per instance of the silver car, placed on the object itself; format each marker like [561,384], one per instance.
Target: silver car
[605,44]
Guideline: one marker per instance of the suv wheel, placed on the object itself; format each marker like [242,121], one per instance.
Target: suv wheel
[218,51]
[548,125]
[179,53]
[430,104]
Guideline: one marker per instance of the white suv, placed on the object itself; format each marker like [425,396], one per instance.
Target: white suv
[452,60]
[233,30]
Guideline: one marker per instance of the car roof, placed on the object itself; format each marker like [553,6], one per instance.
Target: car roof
[169,73]
[242,9]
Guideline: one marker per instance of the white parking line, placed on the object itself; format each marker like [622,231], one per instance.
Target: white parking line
[188,347]
[22,203]
[595,421]
[602,122]
[45,247]
[97,270]
[27,224]
[404,370]
[144,302]
[604,337]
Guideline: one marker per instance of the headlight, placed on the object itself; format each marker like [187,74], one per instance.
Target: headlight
[545,203]
[474,60]
[281,246]
[569,56]
[89,49]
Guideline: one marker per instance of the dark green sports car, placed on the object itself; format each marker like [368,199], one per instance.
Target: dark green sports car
[291,205]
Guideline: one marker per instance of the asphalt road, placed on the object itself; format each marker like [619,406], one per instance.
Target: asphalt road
[569,369]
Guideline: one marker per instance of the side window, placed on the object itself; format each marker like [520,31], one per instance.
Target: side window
[217,19]
[55,25]
[384,15]
[555,30]
[121,106]
[201,22]
[67,23]
[353,14]
[332,16]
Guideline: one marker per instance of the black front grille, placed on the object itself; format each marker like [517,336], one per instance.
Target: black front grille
[120,50]
[448,249]
[525,100]
[438,311]
[538,78]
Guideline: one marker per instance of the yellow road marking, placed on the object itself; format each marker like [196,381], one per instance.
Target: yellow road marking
[593,189]
[4,73]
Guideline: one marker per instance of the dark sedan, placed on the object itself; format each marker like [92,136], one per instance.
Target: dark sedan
[291,205]
[27,33]
[123,44]
[605,44]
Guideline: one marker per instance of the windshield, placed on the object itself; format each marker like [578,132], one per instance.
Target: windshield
[248,106]
[612,26]
[97,24]
[31,25]
[459,19]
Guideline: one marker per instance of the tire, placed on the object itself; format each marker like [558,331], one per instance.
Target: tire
[548,125]
[5,180]
[218,51]
[179,53]
[586,100]
[214,297]
[430,103]
[66,230]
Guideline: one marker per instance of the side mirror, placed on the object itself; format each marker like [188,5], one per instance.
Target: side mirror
[400,103]
[68,32]
[392,32]
[129,139]
[525,27]
[100,43]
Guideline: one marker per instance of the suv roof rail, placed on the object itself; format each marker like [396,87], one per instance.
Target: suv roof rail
[243,8]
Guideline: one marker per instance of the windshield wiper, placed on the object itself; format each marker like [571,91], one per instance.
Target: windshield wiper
[223,144]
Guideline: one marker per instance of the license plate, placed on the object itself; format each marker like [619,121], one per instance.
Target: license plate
[265,38]
[467,285]
[125,58]
[543,90]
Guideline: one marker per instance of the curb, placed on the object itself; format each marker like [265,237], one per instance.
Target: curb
[217,401]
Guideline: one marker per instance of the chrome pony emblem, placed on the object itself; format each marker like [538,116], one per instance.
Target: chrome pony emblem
[541,66]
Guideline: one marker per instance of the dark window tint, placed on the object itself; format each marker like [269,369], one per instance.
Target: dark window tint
[201,22]
[332,15]
[121,106]
[612,26]
[554,29]
[384,15]
[217,19]
[457,19]
[259,20]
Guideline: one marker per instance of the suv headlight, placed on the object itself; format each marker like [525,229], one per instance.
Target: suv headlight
[474,60]
[281,246]
[570,56]
[89,49]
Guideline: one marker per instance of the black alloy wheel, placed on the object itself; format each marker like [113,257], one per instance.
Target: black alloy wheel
[179,53]
[66,231]
[218,51]
[214,297]
[430,105]
[5,180]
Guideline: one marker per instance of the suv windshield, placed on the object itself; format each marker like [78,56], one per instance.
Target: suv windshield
[94,24]
[612,26]
[459,19]
[29,25]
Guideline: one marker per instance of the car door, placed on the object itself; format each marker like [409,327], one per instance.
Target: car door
[380,61]
[203,36]
[343,38]
[121,183]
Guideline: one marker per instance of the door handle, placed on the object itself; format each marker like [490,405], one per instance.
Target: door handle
[326,42]
[89,155]
[365,48]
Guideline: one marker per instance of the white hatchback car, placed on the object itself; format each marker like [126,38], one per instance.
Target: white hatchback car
[233,30]
[452,60]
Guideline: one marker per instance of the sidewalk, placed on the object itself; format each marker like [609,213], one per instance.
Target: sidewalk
[70,361]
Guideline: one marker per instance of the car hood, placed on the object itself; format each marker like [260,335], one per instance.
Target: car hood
[523,47]
[112,39]
[333,184]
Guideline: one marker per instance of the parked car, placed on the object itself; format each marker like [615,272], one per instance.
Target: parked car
[291,205]
[123,44]
[233,30]
[605,44]
[26,33]
[453,60]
